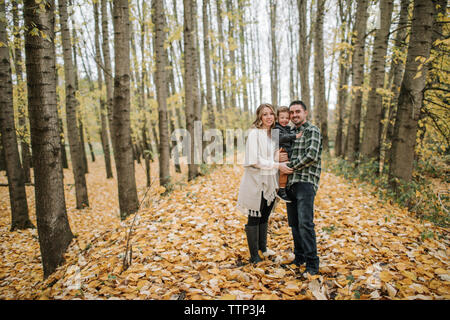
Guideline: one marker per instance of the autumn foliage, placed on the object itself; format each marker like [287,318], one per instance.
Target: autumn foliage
[191,244]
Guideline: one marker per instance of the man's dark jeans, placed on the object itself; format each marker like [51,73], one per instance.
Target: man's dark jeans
[300,217]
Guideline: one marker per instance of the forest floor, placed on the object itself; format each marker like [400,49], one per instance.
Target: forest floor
[191,244]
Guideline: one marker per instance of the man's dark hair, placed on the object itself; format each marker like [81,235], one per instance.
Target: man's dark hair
[298,102]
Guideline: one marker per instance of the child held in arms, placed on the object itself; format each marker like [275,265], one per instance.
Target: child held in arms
[287,136]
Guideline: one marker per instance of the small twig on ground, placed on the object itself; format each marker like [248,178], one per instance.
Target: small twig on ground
[440,200]
[129,248]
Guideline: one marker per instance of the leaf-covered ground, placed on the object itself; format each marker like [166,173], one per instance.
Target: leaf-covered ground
[191,245]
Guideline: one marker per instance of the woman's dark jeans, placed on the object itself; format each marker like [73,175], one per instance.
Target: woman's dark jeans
[300,218]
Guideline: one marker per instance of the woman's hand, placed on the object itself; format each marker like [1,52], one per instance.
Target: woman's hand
[281,155]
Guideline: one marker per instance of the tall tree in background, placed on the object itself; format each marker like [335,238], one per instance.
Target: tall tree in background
[107,69]
[273,53]
[158,19]
[342,91]
[396,73]
[79,108]
[411,92]
[14,172]
[123,153]
[359,35]
[23,132]
[104,132]
[320,103]
[303,53]
[370,146]
[221,71]
[232,54]
[146,145]
[52,223]
[242,23]
[190,81]
[206,48]
[71,112]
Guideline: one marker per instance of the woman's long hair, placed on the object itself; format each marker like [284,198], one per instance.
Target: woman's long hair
[259,112]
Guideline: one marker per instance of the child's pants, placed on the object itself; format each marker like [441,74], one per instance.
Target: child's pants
[282,181]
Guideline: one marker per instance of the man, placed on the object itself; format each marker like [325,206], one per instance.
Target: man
[305,165]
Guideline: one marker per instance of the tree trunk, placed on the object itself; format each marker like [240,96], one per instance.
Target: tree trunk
[14,171]
[357,80]
[76,149]
[2,157]
[242,24]
[320,102]
[82,143]
[222,57]
[161,90]
[62,142]
[104,134]
[344,11]
[123,153]
[232,53]
[370,147]
[209,103]
[411,93]
[291,50]
[107,70]
[52,222]
[396,75]
[190,81]
[273,53]
[303,53]
[23,131]
[176,157]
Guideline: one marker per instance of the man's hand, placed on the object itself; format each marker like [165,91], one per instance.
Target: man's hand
[299,135]
[285,169]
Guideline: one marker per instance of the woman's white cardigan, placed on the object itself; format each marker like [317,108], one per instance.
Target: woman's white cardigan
[260,173]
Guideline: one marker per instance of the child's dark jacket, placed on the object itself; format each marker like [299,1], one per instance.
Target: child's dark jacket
[287,136]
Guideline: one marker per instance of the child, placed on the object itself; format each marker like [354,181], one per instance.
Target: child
[287,135]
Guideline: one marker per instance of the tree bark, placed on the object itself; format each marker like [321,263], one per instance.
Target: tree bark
[370,146]
[107,70]
[76,149]
[23,132]
[190,81]
[232,54]
[52,222]
[209,103]
[222,57]
[411,93]
[14,171]
[396,75]
[123,153]
[344,11]
[244,76]
[104,133]
[82,143]
[303,53]
[161,90]
[357,80]
[320,102]
[273,53]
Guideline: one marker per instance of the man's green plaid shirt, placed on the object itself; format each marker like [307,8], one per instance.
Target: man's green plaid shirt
[306,156]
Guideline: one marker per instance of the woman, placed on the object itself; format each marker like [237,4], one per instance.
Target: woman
[259,184]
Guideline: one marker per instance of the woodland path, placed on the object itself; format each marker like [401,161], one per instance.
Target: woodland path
[191,245]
